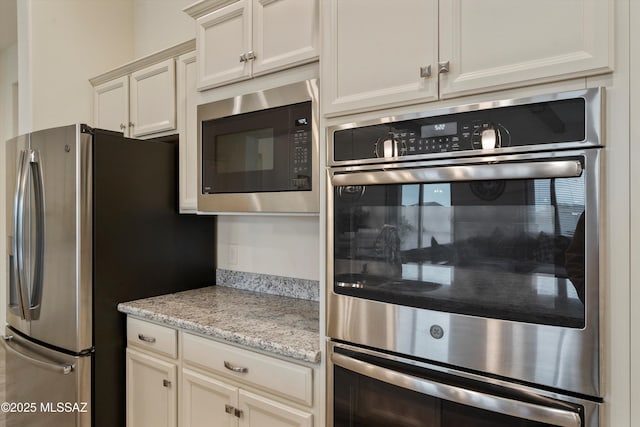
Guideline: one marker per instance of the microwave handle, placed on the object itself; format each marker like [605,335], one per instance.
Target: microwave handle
[482,172]
[524,410]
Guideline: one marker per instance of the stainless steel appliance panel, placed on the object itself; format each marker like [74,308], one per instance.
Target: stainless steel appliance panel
[58,391]
[297,202]
[15,149]
[540,116]
[443,323]
[64,318]
[377,389]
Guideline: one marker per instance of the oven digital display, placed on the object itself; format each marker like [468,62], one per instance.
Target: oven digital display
[439,129]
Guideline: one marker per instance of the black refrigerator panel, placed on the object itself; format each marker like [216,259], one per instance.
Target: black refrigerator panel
[142,247]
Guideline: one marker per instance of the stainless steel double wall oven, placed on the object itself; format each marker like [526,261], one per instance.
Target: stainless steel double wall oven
[463,266]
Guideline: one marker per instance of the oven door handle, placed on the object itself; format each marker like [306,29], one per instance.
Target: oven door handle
[478,172]
[524,410]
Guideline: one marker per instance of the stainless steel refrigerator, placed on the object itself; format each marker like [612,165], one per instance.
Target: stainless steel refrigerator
[91,221]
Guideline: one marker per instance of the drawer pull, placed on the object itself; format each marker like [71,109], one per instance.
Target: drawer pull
[145,338]
[238,369]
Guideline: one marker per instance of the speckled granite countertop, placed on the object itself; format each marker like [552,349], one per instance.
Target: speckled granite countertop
[280,325]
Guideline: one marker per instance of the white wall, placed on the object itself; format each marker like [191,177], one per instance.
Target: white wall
[8,129]
[159,24]
[634,157]
[61,44]
[280,245]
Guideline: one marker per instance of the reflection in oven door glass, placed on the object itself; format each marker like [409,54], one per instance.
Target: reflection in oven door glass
[511,250]
[361,401]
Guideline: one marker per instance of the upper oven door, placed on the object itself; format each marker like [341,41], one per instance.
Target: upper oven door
[439,260]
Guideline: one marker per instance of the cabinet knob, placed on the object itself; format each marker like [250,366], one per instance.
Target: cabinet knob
[131,124]
[443,67]
[251,55]
[122,126]
[166,383]
[425,71]
[243,58]
[233,411]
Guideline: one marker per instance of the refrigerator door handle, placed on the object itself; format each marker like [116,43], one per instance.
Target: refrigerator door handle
[18,233]
[38,274]
[63,369]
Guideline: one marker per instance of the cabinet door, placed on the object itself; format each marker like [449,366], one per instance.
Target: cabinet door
[223,42]
[285,33]
[495,44]
[187,74]
[206,401]
[378,53]
[111,105]
[258,411]
[151,391]
[153,99]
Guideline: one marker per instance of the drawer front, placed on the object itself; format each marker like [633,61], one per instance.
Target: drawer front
[157,338]
[287,379]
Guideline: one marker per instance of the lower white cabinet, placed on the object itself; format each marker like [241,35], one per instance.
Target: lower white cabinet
[208,401]
[180,379]
[152,394]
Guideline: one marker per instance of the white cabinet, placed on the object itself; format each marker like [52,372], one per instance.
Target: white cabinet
[153,99]
[236,387]
[151,391]
[139,104]
[209,401]
[252,37]
[111,105]
[152,383]
[180,379]
[380,54]
[187,111]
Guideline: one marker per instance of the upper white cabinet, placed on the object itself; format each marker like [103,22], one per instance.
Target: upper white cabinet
[187,74]
[246,38]
[139,104]
[111,105]
[380,54]
[153,99]
[139,98]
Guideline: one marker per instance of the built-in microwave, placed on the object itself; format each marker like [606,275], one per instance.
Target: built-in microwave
[259,152]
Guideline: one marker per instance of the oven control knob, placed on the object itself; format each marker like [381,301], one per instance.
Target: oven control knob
[389,147]
[436,331]
[490,138]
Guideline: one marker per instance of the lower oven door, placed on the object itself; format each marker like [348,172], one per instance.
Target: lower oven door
[377,390]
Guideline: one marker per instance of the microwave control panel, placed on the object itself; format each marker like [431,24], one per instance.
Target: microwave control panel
[301,156]
[550,122]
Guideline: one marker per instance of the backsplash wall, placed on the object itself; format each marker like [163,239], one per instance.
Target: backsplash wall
[278,245]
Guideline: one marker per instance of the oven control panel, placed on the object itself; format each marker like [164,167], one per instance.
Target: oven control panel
[442,138]
[549,122]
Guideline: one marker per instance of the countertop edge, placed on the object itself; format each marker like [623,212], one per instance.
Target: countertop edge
[221,334]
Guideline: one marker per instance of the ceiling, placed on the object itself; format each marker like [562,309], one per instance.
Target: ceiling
[8,23]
